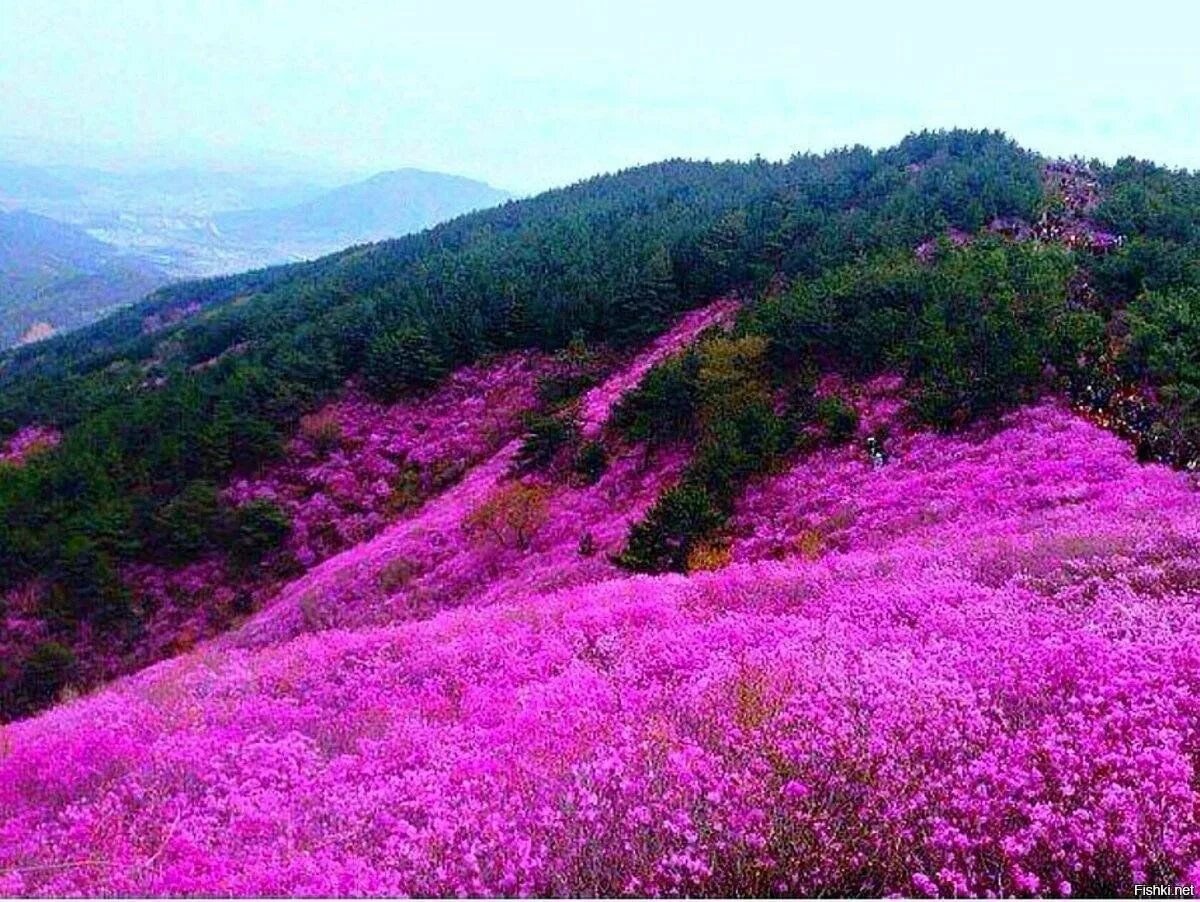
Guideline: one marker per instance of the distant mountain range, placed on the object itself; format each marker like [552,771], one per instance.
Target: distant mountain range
[81,241]
[77,193]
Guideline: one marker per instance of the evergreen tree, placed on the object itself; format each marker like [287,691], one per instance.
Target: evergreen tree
[651,302]
[401,359]
[216,437]
[43,675]
[682,517]
[258,527]
[185,525]
[86,586]
[721,252]
[515,332]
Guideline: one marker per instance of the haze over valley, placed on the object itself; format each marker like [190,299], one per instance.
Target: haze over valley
[78,242]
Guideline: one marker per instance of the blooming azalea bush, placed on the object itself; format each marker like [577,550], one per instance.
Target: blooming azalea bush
[26,442]
[353,467]
[961,667]
[448,567]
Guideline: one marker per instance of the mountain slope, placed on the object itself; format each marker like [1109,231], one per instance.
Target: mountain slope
[351,589]
[87,196]
[59,277]
[161,405]
[19,183]
[894,716]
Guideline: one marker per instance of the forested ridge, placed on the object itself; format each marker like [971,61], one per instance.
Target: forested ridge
[160,405]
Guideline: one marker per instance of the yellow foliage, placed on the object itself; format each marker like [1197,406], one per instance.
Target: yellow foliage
[732,375]
[708,556]
[755,700]
[731,362]
[322,430]
[511,516]
[810,544]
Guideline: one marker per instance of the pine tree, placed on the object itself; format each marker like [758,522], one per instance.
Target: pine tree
[720,251]
[516,332]
[216,439]
[401,359]
[85,587]
[653,298]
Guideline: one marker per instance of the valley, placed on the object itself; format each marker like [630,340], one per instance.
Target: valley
[77,243]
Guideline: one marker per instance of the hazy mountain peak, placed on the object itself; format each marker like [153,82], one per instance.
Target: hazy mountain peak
[387,204]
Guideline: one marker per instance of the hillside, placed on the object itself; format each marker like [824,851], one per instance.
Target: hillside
[71,192]
[780,726]
[20,182]
[822,527]
[55,277]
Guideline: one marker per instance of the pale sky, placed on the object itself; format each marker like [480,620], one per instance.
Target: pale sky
[529,95]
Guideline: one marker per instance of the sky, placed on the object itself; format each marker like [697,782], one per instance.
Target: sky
[531,95]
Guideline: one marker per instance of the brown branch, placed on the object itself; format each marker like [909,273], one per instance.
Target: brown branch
[97,862]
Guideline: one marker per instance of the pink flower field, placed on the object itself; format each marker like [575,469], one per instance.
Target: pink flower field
[338,482]
[425,562]
[971,670]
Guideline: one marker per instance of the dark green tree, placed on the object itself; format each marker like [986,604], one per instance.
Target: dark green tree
[653,298]
[187,524]
[258,527]
[49,668]
[401,359]
[85,587]
[681,518]
[545,435]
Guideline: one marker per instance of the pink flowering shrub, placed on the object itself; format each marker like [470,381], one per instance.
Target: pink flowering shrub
[356,463]
[963,667]
[22,626]
[987,683]
[444,563]
[381,485]
[26,442]
[354,468]
[178,606]
[341,480]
